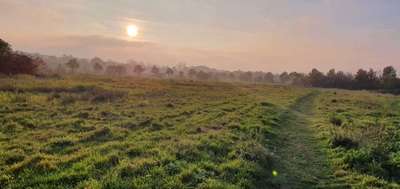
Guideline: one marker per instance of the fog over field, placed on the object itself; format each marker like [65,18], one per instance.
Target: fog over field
[272,35]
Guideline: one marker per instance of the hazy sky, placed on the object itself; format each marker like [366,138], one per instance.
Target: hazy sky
[268,35]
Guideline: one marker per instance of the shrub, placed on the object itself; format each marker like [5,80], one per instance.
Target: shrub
[12,63]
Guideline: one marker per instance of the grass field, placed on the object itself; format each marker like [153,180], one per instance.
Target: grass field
[89,132]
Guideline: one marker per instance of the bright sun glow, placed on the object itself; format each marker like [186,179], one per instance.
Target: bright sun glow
[132,30]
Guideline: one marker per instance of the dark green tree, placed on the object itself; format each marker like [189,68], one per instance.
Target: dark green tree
[284,77]
[316,78]
[389,77]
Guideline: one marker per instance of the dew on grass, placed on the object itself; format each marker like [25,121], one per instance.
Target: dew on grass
[274,173]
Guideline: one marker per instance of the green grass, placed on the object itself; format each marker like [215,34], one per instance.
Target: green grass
[132,133]
[96,132]
[361,132]
[300,157]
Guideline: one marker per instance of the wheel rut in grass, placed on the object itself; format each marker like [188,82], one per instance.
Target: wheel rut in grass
[300,161]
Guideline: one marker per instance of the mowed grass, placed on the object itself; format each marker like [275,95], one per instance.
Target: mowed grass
[88,132]
[362,135]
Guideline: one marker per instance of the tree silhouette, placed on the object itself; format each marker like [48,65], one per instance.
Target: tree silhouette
[298,79]
[192,73]
[60,69]
[116,70]
[344,81]
[316,78]
[73,65]
[97,67]
[246,76]
[331,78]
[97,64]
[202,75]
[269,77]
[169,72]
[5,49]
[138,69]
[373,80]
[389,77]
[284,77]
[16,63]
[181,74]
[155,70]
[361,79]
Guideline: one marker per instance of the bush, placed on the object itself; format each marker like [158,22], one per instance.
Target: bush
[14,63]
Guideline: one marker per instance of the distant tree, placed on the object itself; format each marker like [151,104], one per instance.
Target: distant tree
[116,70]
[169,72]
[258,77]
[16,63]
[97,64]
[389,77]
[20,64]
[344,81]
[5,50]
[60,69]
[284,77]
[373,80]
[202,75]
[361,79]
[181,74]
[155,70]
[298,79]
[138,69]
[331,79]
[316,78]
[73,65]
[192,73]
[232,76]
[97,67]
[246,76]
[269,77]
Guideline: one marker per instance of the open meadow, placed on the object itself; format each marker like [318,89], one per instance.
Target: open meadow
[99,132]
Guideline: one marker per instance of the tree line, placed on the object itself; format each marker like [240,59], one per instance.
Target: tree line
[364,79]
[12,62]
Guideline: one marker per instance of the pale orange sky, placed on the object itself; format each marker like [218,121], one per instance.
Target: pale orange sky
[267,35]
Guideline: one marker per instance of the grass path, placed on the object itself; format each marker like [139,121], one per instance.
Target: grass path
[301,161]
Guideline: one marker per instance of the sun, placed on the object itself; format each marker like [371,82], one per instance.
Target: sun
[132,30]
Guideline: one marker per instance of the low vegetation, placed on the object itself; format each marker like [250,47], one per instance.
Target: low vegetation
[362,136]
[132,133]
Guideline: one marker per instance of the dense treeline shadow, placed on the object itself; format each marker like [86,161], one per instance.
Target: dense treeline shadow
[368,80]
[12,62]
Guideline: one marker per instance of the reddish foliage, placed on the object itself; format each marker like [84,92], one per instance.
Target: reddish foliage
[16,63]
